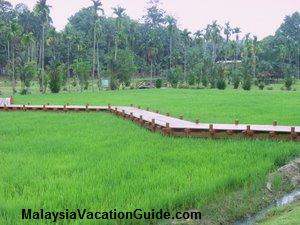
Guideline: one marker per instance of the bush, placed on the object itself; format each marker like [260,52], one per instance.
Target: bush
[247,83]
[261,86]
[288,82]
[82,70]
[236,78]
[28,73]
[270,88]
[173,76]
[204,81]
[158,83]
[56,73]
[221,84]
[114,84]
[236,82]
[183,86]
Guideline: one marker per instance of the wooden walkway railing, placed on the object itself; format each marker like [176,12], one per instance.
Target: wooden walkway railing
[170,126]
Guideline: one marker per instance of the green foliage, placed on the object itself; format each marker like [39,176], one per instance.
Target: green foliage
[288,82]
[236,78]
[56,73]
[247,83]
[82,70]
[221,84]
[123,68]
[173,76]
[28,73]
[261,85]
[204,81]
[158,83]
[114,84]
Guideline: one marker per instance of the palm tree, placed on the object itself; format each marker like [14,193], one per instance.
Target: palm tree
[227,32]
[42,10]
[151,54]
[120,13]
[16,31]
[186,42]
[27,41]
[236,31]
[215,37]
[97,6]
[171,21]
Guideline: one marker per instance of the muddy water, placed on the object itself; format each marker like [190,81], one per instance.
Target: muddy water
[285,200]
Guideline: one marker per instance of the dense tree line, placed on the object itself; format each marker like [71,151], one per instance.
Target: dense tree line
[93,46]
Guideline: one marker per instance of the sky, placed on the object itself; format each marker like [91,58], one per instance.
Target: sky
[259,17]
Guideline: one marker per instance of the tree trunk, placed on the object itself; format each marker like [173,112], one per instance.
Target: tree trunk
[68,80]
[94,58]
[8,51]
[185,63]
[116,48]
[151,72]
[43,61]
[298,62]
[28,53]
[98,68]
[171,48]
[13,70]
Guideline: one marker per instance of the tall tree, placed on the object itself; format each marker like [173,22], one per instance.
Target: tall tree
[16,31]
[236,31]
[97,6]
[42,11]
[171,21]
[120,13]
[227,32]
[186,42]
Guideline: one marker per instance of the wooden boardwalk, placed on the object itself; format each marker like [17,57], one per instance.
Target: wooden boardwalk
[170,126]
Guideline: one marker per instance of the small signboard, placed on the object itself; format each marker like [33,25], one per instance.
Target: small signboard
[105,83]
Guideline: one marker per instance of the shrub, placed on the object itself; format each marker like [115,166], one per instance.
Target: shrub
[261,85]
[204,81]
[114,84]
[236,82]
[82,70]
[247,83]
[173,76]
[221,84]
[158,83]
[270,88]
[288,82]
[183,86]
[56,73]
[236,78]
[28,73]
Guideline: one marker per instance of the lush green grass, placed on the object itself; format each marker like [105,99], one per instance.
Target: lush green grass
[289,215]
[206,105]
[97,161]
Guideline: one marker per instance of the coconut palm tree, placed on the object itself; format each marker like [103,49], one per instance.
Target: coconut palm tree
[236,31]
[27,41]
[16,31]
[186,42]
[42,11]
[151,54]
[120,13]
[171,21]
[227,32]
[97,6]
